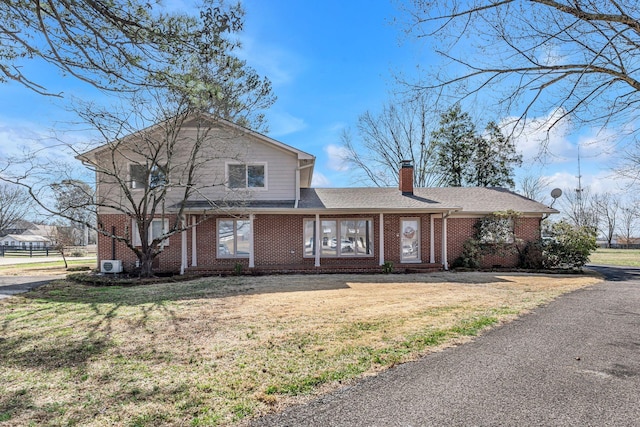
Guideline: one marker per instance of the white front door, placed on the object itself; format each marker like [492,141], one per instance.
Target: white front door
[410,240]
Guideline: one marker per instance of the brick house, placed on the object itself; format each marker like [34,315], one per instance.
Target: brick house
[264,215]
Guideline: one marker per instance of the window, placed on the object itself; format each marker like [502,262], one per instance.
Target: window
[496,230]
[339,238]
[233,238]
[246,175]
[140,176]
[156,229]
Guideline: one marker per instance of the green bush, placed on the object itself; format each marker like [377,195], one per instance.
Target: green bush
[567,246]
[387,267]
[471,256]
[570,246]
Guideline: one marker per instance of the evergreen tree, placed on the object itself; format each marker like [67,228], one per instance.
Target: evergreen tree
[455,140]
[494,158]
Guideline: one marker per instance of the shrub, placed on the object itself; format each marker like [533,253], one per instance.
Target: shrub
[568,246]
[532,256]
[471,256]
[387,267]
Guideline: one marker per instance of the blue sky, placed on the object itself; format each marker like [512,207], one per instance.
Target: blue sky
[329,62]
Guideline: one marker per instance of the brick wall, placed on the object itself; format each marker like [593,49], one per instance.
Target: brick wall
[278,240]
[168,260]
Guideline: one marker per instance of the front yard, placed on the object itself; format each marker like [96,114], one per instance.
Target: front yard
[217,351]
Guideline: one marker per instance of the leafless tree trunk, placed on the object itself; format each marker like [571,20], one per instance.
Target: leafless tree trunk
[628,222]
[607,206]
[577,206]
[14,205]
[400,132]
[534,188]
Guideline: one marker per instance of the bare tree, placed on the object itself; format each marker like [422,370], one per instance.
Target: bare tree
[607,206]
[14,205]
[534,187]
[62,237]
[400,132]
[568,56]
[627,227]
[577,206]
[155,144]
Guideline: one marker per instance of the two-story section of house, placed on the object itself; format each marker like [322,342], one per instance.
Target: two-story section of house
[245,200]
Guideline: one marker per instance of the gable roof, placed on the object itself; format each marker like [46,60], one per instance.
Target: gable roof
[215,121]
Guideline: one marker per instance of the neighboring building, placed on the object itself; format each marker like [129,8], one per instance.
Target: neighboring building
[25,241]
[268,218]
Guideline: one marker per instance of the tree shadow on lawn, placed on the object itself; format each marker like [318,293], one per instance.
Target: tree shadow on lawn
[225,287]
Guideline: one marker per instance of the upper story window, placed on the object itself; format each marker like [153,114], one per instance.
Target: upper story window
[141,177]
[251,175]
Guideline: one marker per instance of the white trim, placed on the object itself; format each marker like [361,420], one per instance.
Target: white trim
[445,262]
[419,239]
[194,245]
[316,240]
[339,253]
[251,251]
[234,237]
[432,239]
[246,173]
[381,237]
[135,234]
[183,245]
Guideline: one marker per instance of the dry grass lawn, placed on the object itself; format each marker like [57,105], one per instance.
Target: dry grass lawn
[218,351]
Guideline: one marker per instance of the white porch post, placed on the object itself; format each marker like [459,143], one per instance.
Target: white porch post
[318,241]
[432,239]
[251,241]
[381,227]
[445,262]
[183,248]
[194,246]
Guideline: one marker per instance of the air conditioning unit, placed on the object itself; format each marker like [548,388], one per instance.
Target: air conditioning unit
[111,266]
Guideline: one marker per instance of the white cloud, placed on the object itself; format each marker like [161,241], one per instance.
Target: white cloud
[319,180]
[337,158]
[44,147]
[542,138]
[281,123]
[279,65]
[596,183]
[598,143]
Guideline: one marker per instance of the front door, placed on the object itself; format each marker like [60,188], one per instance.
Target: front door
[409,240]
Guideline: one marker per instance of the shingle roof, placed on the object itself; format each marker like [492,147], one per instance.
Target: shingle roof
[464,199]
[460,199]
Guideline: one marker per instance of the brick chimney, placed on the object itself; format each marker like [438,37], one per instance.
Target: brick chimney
[406,178]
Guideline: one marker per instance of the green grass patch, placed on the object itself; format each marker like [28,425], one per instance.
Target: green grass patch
[217,351]
[620,257]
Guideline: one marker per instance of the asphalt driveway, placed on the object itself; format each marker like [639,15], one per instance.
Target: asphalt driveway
[11,285]
[574,362]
